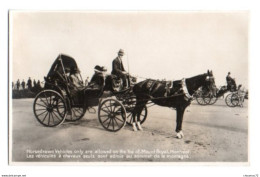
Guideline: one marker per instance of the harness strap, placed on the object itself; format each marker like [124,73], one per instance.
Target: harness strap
[185,90]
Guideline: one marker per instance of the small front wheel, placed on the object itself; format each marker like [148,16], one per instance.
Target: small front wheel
[228,100]
[112,115]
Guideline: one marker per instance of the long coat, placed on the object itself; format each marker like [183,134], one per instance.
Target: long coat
[117,67]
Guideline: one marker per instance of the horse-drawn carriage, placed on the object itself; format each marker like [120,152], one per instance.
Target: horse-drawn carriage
[234,98]
[57,103]
[204,98]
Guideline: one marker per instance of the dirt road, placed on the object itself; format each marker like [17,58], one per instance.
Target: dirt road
[214,133]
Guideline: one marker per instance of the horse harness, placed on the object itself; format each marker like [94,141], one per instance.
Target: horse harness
[168,87]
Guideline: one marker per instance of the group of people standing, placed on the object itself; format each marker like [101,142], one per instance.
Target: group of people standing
[22,85]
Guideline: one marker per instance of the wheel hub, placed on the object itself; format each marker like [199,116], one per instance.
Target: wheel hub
[49,108]
[112,115]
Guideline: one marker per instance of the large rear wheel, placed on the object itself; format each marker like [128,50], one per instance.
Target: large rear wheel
[49,108]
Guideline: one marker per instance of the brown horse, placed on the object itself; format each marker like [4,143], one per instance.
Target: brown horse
[178,95]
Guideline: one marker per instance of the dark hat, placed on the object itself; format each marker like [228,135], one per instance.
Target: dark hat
[121,51]
[229,73]
[100,69]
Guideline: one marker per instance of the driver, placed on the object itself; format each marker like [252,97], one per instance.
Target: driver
[118,68]
[231,84]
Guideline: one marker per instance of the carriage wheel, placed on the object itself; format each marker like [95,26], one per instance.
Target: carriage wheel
[210,100]
[129,106]
[112,115]
[200,100]
[143,115]
[49,108]
[213,100]
[235,99]
[228,100]
[207,100]
[77,112]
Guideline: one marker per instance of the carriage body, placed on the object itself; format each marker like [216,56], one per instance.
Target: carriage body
[59,102]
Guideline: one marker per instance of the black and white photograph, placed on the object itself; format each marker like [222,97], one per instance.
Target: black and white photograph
[128,86]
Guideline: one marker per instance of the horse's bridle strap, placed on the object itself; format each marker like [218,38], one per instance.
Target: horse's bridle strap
[185,90]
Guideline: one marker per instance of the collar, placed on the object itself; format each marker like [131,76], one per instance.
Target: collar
[185,90]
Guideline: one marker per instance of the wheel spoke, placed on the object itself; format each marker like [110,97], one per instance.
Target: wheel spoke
[56,115]
[49,119]
[45,116]
[104,111]
[113,124]
[52,118]
[129,115]
[105,120]
[116,123]
[108,123]
[79,111]
[106,107]
[39,109]
[119,119]
[42,113]
[110,106]
[46,98]
[50,100]
[43,102]
[40,105]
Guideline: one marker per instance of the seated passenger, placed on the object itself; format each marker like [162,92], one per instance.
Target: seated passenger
[97,82]
[76,85]
[75,80]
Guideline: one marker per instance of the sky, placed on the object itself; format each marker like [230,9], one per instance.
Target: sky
[158,44]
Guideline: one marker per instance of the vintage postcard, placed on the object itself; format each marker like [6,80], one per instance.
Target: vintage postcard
[128,86]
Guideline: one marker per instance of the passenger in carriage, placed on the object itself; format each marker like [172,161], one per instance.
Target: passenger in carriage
[97,82]
[118,68]
[75,80]
[76,85]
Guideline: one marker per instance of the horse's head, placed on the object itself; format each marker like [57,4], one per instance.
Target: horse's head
[210,84]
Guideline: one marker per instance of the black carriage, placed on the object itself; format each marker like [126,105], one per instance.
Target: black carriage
[59,102]
[204,98]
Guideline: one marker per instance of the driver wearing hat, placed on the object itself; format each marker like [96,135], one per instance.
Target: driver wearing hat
[118,68]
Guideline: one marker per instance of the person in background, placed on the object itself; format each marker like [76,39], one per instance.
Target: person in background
[23,84]
[34,83]
[29,83]
[39,84]
[18,84]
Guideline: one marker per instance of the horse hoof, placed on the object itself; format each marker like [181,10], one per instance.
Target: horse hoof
[180,135]
[134,127]
[139,126]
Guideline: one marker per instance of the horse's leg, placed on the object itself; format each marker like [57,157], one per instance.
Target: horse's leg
[135,112]
[140,104]
[179,119]
[139,111]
